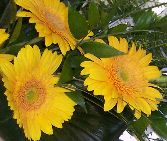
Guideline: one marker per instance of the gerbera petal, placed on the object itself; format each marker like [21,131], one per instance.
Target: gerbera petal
[124,45]
[108,105]
[132,49]
[45,125]
[100,41]
[151,72]
[4,36]
[152,93]
[113,41]
[93,58]
[146,60]
[24,14]
[137,114]
[50,61]
[120,105]
[6,57]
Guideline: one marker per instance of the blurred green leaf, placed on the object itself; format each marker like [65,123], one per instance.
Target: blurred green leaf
[77,23]
[161,24]
[144,21]
[100,50]
[67,72]
[16,31]
[118,28]
[93,15]
[140,125]
[105,18]
[9,14]
[77,97]
[159,124]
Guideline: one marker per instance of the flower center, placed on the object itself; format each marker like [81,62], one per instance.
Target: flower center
[125,75]
[31,95]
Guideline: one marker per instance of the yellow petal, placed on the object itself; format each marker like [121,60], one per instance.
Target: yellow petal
[146,60]
[132,49]
[123,45]
[93,58]
[100,41]
[24,14]
[145,106]
[151,72]
[108,105]
[120,105]
[137,114]
[113,41]
[151,93]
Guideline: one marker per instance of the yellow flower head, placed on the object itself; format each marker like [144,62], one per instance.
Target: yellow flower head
[51,18]
[123,79]
[32,92]
[3,36]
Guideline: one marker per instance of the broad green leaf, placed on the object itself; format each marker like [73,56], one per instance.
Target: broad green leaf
[9,14]
[118,28]
[161,24]
[140,125]
[77,23]
[16,31]
[100,50]
[159,123]
[93,15]
[144,21]
[67,72]
[77,97]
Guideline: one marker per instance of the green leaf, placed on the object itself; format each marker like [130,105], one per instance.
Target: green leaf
[144,21]
[77,24]
[93,15]
[118,28]
[77,97]
[67,72]
[161,24]
[159,124]
[16,31]
[140,125]
[9,14]
[100,50]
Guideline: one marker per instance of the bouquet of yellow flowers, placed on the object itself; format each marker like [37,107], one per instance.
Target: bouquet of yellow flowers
[82,70]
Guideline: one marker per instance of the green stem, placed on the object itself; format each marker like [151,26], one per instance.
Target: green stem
[118,33]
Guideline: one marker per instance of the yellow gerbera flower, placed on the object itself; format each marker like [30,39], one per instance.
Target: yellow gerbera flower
[3,36]
[51,18]
[123,79]
[32,94]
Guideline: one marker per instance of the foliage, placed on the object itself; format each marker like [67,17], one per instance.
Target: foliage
[90,122]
